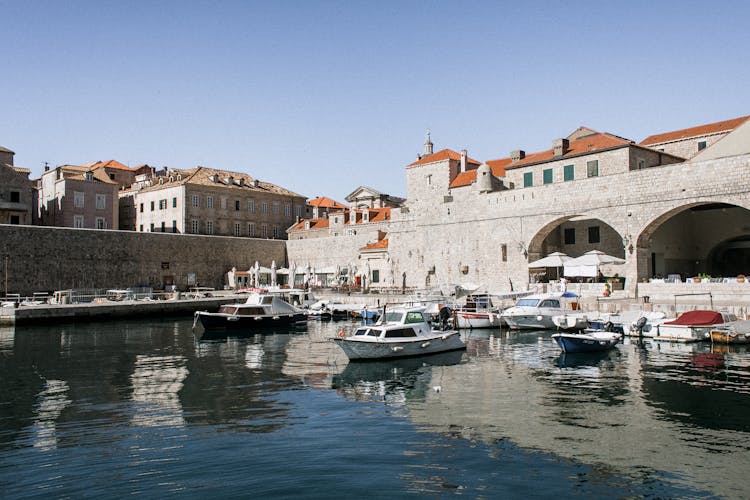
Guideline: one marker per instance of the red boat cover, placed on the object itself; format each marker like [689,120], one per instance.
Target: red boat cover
[698,318]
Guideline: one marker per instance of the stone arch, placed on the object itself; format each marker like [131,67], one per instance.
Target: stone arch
[540,243]
[687,240]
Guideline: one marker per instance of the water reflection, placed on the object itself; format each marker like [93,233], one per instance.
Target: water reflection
[156,382]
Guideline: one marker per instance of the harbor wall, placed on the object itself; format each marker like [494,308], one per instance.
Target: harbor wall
[51,258]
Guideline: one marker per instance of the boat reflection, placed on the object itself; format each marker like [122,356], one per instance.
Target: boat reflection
[582,359]
[221,335]
[394,382]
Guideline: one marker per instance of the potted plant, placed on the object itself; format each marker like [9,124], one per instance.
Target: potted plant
[741,278]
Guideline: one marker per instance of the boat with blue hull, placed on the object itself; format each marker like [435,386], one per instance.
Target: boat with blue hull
[588,341]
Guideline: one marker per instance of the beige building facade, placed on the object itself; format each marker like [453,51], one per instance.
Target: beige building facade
[17,192]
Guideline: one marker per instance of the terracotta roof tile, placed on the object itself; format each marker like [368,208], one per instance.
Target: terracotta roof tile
[445,154]
[497,167]
[711,128]
[380,214]
[321,223]
[378,245]
[324,202]
[584,145]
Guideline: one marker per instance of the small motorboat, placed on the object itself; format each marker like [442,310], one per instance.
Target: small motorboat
[694,326]
[571,322]
[587,341]
[737,332]
[478,312]
[400,332]
[260,310]
[535,312]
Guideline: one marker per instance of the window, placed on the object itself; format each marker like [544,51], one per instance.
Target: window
[264,231]
[209,227]
[264,208]
[163,227]
[237,205]
[376,276]
[504,252]
[15,219]
[547,176]
[276,231]
[174,226]
[194,226]
[141,207]
[101,201]
[196,200]
[276,209]
[251,206]
[570,236]
[528,179]
[78,221]
[174,202]
[111,177]
[78,198]
[237,228]
[209,202]
[251,230]
[223,203]
[298,211]
[140,228]
[593,234]
[641,163]
[101,223]
[163,204]
[152,227]
[152,206]
[287,210]
[592,168]
[568,173]
[701,145]
[15,196]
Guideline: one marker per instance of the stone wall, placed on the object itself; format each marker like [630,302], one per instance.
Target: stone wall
[45,258]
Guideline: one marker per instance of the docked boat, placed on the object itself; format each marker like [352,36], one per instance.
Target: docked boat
[478,312]
[399,333]
[737,332]
[694,326]
[535,312]
[571,322]
[587,341]
[260,310]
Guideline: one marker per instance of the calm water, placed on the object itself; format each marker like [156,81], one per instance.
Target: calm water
[152,409]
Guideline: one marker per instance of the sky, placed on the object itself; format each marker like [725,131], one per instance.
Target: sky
[321,97]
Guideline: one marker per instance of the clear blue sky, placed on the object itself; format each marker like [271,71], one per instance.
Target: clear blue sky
[321,97]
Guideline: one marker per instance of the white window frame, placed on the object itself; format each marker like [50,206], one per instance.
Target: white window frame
[195,226]
[209,202]
[237,229]
[251,206]
[276,208]
[287,209]
[101,223]
[79,198]
[101,202]
[251,229]
[196,201]
[209,227]
[78,221]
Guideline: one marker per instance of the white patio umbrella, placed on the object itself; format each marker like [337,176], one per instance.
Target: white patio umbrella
[588,264]
[273,273]
[555,259]
[292,273]
[256,273]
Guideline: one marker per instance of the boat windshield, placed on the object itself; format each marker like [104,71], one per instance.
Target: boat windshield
[393,317]
[367,331]
[527,302]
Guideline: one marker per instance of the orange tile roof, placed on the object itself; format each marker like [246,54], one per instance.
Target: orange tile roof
[111,164]
[324,202]
[321,223]
[711,128]
[445,154]
[378,245]
[380,214]
[584,145]
[497,167]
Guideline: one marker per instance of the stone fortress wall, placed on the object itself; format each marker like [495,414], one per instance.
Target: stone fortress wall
[46,258]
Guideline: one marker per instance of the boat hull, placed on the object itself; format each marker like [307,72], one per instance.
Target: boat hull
[213,321]
[529,322]
[477,320]
[578,343]
[681,333]
[364,350]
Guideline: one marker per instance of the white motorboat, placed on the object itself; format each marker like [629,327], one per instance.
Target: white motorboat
[693,326]
[587,341]
[260,310]
[535,312]
[571,321]
[478,312]
[400,332]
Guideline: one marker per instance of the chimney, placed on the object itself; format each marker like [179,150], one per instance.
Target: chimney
[560,146]
[46,166]
[463,160]
[517,155]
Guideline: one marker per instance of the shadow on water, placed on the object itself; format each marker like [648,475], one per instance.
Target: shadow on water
[574,360]
[222,334]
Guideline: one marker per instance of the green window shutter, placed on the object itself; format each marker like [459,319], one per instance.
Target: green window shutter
[528,179]
[568,173]
[547,176]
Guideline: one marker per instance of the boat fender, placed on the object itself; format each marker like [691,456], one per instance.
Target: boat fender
[539,318]
[425,344]
[342,334]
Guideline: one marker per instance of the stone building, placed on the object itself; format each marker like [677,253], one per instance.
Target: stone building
[17,192]
[689,142]
[367,197]
[464,221]
[321,206]
[79,197]
[211,202]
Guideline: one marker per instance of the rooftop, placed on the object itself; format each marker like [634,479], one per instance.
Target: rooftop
[708,129]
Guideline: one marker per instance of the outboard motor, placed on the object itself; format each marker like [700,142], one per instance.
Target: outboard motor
[640,324]
[444,315]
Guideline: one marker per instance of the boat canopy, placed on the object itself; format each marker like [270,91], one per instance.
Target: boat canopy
[699,317]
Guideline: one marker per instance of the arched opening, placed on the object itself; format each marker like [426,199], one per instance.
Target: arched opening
[708,239]
[574,236]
